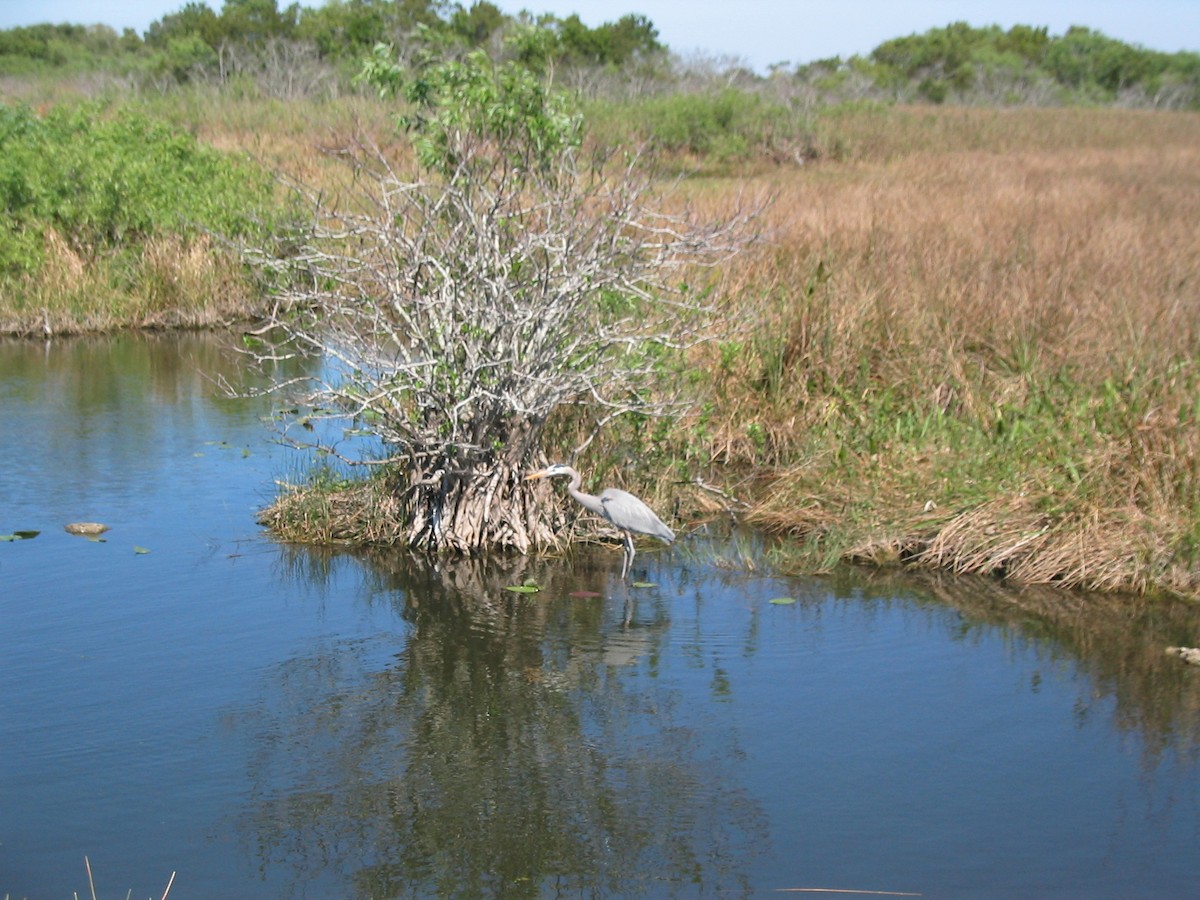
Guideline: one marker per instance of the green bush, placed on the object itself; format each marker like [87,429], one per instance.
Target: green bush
[727,125]
[106,182]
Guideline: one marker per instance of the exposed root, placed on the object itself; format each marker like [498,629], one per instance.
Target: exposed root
[490,509]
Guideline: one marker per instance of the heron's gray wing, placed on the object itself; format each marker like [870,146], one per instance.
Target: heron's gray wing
[628,512]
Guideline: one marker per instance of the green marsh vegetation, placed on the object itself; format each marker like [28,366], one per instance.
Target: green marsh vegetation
[967,338]
[980,359]
[113,218]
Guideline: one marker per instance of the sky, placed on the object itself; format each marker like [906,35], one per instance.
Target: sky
[757,33]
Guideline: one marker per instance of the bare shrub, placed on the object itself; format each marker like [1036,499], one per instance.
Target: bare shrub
[458,306]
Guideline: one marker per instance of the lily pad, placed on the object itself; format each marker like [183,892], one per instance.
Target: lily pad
[19,536]
[644,584]
[140,550]
[523,588]
[783,601]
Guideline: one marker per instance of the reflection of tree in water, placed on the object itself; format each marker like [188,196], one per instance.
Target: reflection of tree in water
[112,410]
[492,755]
[1118,641]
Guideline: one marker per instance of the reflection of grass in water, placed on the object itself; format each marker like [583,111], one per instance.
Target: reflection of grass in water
[728,548]
[1120,642]
[87,864]
[511,721]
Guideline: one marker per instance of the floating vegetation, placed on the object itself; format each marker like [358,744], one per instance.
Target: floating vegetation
[19,536]
[529,586]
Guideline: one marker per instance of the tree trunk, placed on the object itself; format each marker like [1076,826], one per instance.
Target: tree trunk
[477,505]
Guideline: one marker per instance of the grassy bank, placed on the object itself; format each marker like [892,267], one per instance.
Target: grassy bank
[114,218]
[971,345]
[969,342]
[978,353]
[969,339]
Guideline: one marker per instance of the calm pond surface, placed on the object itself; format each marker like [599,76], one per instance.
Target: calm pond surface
[270,721]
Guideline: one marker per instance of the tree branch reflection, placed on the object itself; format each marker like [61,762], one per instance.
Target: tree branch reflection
[499,746]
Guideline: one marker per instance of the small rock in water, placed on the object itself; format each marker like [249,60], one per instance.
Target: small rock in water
[87,528]
[1187,654]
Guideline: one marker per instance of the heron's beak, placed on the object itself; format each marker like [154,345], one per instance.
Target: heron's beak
[533,475]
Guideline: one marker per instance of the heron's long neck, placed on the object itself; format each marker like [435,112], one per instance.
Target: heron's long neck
[588,501]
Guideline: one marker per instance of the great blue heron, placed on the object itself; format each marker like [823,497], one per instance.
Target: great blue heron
[621,508]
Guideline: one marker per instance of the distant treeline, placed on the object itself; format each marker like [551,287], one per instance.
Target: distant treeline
[1024,65]
[309,49]
[195,40]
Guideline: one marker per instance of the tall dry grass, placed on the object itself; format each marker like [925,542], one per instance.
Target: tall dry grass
[968,339]
[174,282]
[980,356]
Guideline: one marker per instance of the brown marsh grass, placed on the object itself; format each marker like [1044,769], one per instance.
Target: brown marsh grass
[979,353]
[179,284]
[969,338]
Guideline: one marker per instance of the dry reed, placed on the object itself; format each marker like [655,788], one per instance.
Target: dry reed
[972,345]
[1007,335]
[971,342]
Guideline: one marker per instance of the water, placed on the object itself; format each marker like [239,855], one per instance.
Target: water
[269,721]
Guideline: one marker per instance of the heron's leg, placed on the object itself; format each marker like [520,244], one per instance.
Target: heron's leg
[629,555]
